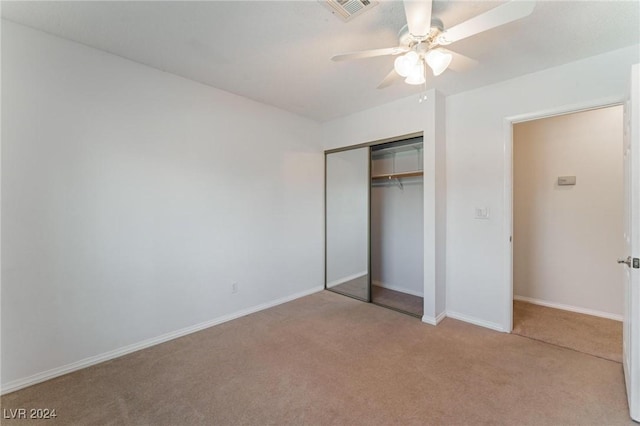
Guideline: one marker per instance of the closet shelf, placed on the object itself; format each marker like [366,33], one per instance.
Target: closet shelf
[396,148]
[398,175]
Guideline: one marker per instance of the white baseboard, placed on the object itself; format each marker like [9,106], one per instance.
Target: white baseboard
[347,278]
[87,362]
[396,288]
[434,321]
[476,321]
[570,308]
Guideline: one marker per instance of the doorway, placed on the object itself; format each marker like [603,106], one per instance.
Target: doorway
[567,221]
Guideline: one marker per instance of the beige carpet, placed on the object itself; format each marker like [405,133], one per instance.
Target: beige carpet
[584,333]
[327,359]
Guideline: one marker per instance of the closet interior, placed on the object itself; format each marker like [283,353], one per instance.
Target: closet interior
[397,275]
[374,224]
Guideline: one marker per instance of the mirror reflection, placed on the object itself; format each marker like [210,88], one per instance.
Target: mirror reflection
[347,222]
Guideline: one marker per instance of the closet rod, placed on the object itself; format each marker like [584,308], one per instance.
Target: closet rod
[398,175]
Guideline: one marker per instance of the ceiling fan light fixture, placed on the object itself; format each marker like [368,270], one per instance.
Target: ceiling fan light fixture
[438,61]
[416,76]
[401,66]
[405,63]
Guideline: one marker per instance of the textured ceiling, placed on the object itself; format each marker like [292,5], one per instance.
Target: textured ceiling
[279,52]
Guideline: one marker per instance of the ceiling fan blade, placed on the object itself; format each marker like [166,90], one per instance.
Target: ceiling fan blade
[418,14]
[369,53]
[391,78]
[494,18]
[459,62]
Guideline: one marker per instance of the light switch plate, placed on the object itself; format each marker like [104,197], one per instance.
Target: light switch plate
[482,213]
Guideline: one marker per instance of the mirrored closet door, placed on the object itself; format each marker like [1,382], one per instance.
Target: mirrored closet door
[347,222]
[375,224]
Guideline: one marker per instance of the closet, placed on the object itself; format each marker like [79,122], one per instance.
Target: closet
[374,224]
[397,274]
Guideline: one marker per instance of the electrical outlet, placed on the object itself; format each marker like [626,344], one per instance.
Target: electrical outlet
[234,288]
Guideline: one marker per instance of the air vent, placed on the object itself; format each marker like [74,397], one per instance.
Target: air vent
[348,9]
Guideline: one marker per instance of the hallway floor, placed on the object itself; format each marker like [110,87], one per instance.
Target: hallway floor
[591,335]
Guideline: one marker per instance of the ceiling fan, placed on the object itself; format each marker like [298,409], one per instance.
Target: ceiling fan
[422,40]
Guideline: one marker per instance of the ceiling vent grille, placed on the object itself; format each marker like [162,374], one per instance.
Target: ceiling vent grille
[348,9]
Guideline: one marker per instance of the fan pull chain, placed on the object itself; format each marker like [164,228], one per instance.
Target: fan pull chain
[423,97]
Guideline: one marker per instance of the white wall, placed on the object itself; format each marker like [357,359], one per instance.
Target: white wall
[400,118]
[133,198]
[377,123]
[397,220]
[478,286]
[566,238]
[347,211]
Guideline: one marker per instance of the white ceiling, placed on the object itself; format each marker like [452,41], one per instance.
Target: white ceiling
[279,52]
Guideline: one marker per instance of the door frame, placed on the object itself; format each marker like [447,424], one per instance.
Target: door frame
[508,122]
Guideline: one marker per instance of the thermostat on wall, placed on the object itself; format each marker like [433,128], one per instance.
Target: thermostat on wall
[566,180]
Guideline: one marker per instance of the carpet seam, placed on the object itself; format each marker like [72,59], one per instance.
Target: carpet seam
[566,347]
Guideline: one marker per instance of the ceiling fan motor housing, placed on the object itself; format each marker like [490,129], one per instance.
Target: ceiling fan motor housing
[409,40]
